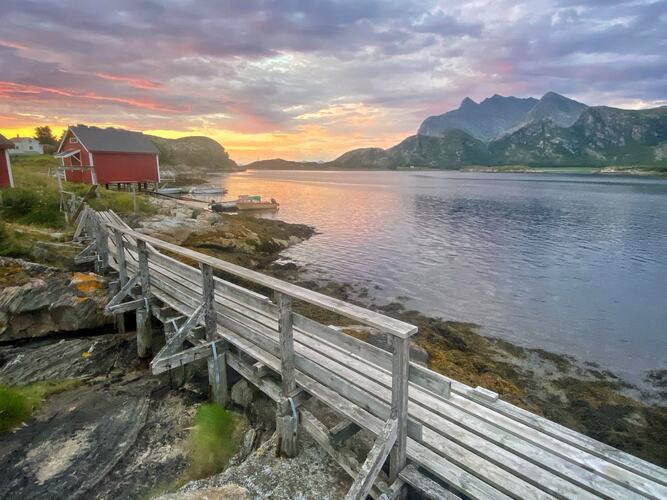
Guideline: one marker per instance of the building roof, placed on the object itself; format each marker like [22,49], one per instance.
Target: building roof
[4,143]
[113,140]
[19,139]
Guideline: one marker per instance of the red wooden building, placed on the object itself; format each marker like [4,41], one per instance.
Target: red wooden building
[6,179]
[108,156]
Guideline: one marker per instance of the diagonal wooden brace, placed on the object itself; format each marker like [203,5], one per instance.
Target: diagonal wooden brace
[374,461]
[132,305]
[122,293]
[176,340]
[161,365]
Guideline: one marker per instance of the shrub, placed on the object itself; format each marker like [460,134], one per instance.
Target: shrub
[32,206]
[212,440]
[10,243]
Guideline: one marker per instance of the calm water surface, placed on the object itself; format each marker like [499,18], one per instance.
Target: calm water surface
[569,263]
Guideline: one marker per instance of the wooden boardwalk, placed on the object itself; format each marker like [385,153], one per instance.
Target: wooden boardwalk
[439,436]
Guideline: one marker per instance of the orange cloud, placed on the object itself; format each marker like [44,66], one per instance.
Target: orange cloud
[12,90]
[134,82]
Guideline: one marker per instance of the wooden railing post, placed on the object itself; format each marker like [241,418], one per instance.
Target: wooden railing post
[144,328]
[399,404]
[122,274]
[101,238]
[217,362]
[286,421]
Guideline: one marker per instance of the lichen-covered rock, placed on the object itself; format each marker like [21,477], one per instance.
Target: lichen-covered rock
[37,300]
[311,474]
[226,492]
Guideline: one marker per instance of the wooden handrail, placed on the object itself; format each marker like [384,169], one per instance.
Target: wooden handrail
[383,323]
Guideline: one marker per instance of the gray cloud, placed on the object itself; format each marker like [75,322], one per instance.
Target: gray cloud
[262,65]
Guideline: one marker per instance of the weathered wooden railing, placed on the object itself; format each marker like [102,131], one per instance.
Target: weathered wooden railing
[467,438]
[129,244]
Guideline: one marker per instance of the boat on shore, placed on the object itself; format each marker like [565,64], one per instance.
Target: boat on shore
[244,203]
[171,190]
[223,206]
[255,202]
[207,190]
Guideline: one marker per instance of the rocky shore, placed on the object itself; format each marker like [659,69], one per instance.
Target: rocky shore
[121,432]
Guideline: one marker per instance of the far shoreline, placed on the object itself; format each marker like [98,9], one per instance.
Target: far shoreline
[629,171]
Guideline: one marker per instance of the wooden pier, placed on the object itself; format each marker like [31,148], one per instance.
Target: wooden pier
[440,437]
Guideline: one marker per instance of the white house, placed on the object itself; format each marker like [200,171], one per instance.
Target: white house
[26,146]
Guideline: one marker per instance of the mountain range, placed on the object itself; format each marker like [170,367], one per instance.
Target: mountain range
[551,131]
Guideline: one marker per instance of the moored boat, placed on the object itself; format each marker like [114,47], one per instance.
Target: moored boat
[207,190]
[255,202]
[223,206]
[171,190]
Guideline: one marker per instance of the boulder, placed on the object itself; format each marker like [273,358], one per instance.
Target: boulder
[243,393]
[37,300]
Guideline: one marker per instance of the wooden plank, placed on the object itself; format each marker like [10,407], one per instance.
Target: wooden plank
[399,404]
[131,305]
[371,318]
[376,457]
[345,458]
[425,485]
[342,431]
[286,345]
[267,386]
[144,332]
[122,293]
[452,474]
[120,258]
[182,358]
[175,341]
[102,247]
[562,468]
[395,491]
[418,375]
[261,370]
[217,366]
[144,273]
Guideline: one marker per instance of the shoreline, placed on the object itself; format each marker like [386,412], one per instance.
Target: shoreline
[629,171]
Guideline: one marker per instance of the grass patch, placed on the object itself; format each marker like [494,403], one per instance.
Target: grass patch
[11,244]
[213,441]
[121,202]
[17,403]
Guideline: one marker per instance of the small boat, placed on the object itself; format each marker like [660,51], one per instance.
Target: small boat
[254,202]
[223,206]
[171,190]
[207,190]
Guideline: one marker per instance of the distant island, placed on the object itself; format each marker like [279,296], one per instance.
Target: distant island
[553,131]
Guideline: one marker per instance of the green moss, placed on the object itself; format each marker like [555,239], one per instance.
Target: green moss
[213,441]
[121,202]
[17,403]
[11,245]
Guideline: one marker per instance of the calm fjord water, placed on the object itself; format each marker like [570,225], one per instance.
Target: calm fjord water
[569,263]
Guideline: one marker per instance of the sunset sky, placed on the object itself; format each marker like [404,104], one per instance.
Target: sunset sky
[312,79]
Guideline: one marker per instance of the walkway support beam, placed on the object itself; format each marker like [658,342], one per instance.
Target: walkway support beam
[399,404]
[217,362]
[143,315]
[122,273]
[287,417]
